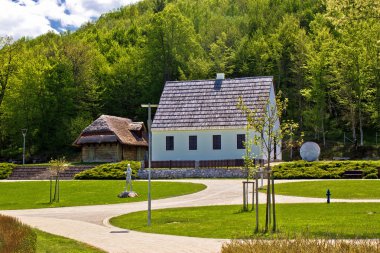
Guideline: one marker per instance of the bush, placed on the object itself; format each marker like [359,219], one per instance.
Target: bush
[371,176]
[6,170]
[324,170]
[15,236]
[110,171]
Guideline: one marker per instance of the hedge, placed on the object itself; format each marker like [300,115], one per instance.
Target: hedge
[324,170]
[110,171]
[6,170]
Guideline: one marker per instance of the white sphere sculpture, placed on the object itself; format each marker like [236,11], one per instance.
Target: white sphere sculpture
[310,151]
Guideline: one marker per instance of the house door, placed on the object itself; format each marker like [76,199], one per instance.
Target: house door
[91,153]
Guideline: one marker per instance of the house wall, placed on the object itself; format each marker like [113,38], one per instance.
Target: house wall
[278,154]
[103,152]
[204,150]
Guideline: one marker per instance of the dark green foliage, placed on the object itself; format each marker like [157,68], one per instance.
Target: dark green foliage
[110,171]
[324,170]
[323,56]
[6,170]
[371,176]
[16,237]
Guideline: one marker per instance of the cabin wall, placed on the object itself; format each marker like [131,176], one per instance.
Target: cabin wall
[134,153]
[103,152]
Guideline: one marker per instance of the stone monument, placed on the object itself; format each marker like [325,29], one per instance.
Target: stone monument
[310,151]
[128,193]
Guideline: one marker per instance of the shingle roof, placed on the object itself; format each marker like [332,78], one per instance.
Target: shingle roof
[106,129]
[210,104]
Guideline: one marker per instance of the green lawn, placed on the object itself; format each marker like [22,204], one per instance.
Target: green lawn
[340,189]
[47,243]
[336,220]
[35,194]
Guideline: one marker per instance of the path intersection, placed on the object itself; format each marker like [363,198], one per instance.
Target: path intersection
[90,224]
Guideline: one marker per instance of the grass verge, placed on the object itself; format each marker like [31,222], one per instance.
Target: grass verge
[340,189]
[337,220]
[35,194]
[301,245]
[52,243]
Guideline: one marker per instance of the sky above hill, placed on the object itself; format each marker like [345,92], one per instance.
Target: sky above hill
[31,18]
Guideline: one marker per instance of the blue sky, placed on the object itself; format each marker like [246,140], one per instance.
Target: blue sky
[31,18]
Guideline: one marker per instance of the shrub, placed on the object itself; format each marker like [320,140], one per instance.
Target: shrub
[110,171]
[6,170]
[15,236]
[324,170]
[371,176]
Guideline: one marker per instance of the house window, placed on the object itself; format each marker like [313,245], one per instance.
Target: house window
[240,141]
[216,142]
[192,142]
[169,142]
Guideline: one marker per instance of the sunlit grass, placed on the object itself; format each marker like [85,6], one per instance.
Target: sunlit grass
[36,194]
[340,189]
[52,243]
[336,220]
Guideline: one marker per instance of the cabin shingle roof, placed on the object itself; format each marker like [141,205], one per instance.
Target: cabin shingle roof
[106,129]
[210,104]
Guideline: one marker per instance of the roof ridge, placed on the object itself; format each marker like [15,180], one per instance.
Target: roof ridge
[203,80]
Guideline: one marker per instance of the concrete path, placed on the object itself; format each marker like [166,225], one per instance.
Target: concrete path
[89,224]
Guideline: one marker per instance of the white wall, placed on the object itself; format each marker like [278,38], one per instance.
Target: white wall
[204,150]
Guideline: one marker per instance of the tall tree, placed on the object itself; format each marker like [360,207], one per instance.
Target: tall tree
[356,23]
[8,63]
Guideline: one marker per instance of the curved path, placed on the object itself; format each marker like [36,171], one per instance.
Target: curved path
[89,224]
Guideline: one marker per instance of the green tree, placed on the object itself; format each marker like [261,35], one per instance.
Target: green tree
[56,167]
[357,26]
[318,68]
[8,63]
[267,133]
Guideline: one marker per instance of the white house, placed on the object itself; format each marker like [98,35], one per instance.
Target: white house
[199,120]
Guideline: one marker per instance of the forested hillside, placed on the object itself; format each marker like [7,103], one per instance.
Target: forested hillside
[323,54]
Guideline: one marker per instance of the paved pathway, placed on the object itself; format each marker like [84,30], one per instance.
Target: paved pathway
[89,224]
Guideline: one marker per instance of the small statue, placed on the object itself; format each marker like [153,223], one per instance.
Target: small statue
[128,182]
[128,178]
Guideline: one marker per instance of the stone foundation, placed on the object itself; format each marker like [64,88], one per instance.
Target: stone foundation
[192,173]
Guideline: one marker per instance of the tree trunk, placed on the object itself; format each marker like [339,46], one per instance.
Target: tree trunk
[353,123]
[323,132]
[361,126]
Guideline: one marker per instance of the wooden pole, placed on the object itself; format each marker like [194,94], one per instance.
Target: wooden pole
[257,204]
[244,208]
[51,183]
[274,205]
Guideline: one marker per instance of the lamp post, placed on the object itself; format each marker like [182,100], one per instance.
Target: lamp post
[149,106]
[23,131]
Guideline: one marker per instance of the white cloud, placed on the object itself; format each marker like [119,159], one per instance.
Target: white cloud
[32,18]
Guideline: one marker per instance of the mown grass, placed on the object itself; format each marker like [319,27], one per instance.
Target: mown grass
[36,194]
[336,220]
[47,243]
[301,245]
[340,189]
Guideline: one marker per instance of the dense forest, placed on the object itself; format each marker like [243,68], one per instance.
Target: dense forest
[323,54]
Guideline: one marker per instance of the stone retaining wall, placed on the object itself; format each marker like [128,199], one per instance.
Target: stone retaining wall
[192,173]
